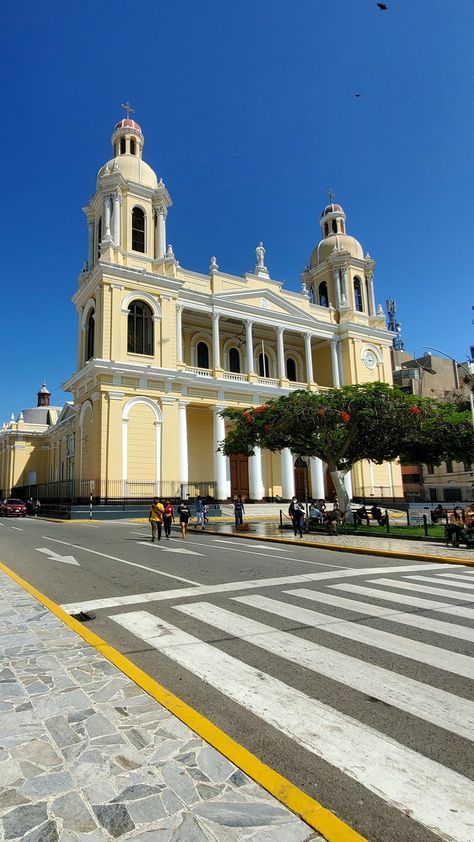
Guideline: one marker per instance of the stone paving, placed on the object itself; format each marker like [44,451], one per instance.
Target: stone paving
[85,754]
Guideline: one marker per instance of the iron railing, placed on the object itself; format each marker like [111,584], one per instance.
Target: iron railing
[121,492]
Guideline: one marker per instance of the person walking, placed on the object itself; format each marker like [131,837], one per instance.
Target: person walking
[296,513]
[199,513]
[239,511]
[156,518]
[168,518]
[184,515]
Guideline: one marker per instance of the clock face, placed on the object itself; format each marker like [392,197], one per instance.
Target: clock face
[370,359]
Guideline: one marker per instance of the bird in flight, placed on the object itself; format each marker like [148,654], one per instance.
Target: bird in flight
[356,95]
[382,6]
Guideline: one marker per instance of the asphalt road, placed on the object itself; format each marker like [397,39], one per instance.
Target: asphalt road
[350,675]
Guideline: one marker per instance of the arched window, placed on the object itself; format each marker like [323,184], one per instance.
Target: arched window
[263,365]
[132,146]
[122,146]
[326,229]
[99,238]
[359,304]
[138,230]
[140,329]
[234,360]
[291,370]
[323,299]
[90,335]
[334,226]
[202,355]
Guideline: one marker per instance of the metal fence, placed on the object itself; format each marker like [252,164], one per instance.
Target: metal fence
[77,492]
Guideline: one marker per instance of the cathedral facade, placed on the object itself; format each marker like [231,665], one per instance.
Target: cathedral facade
[163,349]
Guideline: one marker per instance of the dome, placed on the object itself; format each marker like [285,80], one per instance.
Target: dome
[332,209]
[336,242]
[131,168]
[126,123]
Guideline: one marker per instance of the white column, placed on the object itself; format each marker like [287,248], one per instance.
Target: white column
[183,442]
[220,472]
[90,243]
[348,484]
[317,478]
[281,353]
[117,204]
[309,358]
[345,291]
[216,351]
[335,363]
[337,290]
[255,475]
[160,232]
[249,346]
[179,333]
[340,363]
[107,210]
[371,303]
[287,474]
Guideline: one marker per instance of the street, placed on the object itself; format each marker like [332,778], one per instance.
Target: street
[350,675]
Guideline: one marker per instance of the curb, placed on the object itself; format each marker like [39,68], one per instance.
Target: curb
[308,809]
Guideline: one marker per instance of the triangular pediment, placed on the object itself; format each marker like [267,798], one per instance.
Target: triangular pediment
[67,411]
[263,300]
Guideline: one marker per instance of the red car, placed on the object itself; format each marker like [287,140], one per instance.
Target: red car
[11,507]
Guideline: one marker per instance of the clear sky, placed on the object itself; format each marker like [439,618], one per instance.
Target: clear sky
[249,114]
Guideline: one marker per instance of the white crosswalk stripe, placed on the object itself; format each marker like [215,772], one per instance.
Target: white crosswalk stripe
[461,576]
[406,599]
[432,794]
[411,586]
[448,583]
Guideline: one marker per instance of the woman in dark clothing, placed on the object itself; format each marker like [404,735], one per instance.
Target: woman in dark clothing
[184,515]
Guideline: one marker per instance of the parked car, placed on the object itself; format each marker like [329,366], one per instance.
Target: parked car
[12,507]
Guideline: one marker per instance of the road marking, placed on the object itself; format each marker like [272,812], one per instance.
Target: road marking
[159,546]
[448,584]
[388,642]
[410,586]
[435,796]
[457,576]
[268,555]
[443,709]
[123,561]
[18,528]
[252,546]
[405,599]
[205,590]
[66,559]
[415,620]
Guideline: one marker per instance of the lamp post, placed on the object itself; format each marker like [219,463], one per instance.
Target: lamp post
[461,365]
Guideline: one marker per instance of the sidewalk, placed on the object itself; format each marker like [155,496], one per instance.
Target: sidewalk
[85,754]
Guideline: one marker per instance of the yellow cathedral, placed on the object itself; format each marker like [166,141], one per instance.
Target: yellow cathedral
[162,350]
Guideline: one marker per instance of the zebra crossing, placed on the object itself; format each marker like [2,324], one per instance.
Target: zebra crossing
[398,654]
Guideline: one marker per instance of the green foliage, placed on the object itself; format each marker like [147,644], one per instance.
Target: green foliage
[342,426]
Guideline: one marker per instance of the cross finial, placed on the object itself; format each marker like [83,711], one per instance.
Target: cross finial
[128,108]
[331,195]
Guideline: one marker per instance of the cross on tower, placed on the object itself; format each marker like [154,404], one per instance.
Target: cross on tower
[128,108]
[331,195]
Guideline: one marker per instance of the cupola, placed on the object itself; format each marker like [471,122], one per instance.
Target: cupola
[44,396]
[334,236]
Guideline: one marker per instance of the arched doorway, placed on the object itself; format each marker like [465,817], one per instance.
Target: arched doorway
[239,475]
[302,479]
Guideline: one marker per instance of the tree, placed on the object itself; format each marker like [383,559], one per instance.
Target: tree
[343,426]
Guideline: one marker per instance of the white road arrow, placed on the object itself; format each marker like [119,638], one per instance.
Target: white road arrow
[180,550]
[67,559]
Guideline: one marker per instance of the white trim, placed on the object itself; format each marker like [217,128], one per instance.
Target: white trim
[158,426]
[85,406]
[296,356]
[272,358]
[138,295]
[90,304]
[196,338]
[145,232]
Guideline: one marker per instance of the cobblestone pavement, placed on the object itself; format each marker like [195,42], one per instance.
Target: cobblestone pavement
[87,755]
[394,545]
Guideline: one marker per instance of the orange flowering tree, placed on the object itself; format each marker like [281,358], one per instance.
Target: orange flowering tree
[372,421]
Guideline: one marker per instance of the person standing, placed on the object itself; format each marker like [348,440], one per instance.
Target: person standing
[199,513]
[296,513]
[238,511]
[168,518]
[156,518]
[184,515]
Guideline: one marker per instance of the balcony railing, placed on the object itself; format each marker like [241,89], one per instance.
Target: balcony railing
[201,372]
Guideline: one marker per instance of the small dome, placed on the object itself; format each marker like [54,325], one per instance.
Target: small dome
[332,209]
[132,168]
[336,242]
[126,123]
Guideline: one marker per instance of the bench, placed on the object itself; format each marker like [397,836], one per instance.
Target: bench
[466,537]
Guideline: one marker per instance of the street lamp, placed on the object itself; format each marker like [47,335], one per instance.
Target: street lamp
[461,365]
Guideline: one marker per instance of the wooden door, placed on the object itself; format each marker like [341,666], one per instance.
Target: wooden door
[302,478]
[239,475]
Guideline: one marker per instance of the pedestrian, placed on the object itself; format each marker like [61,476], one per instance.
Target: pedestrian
[184,515]
[239,511]
[206,512]
[199,514]
[156,518]
[168,518]
[296,513]
[321,504]
[455,527]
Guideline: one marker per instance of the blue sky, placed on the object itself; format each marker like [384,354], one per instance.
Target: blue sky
[249,115]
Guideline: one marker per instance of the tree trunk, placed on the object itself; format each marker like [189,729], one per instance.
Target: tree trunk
[340,488]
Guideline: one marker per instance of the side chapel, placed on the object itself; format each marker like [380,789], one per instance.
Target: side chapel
[162,350]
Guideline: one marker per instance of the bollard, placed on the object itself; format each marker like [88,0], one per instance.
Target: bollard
[425,526]
[387,522]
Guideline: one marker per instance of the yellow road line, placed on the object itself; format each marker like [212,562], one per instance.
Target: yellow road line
[309,810]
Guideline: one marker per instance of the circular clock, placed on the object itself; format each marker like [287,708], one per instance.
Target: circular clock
[370,359]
